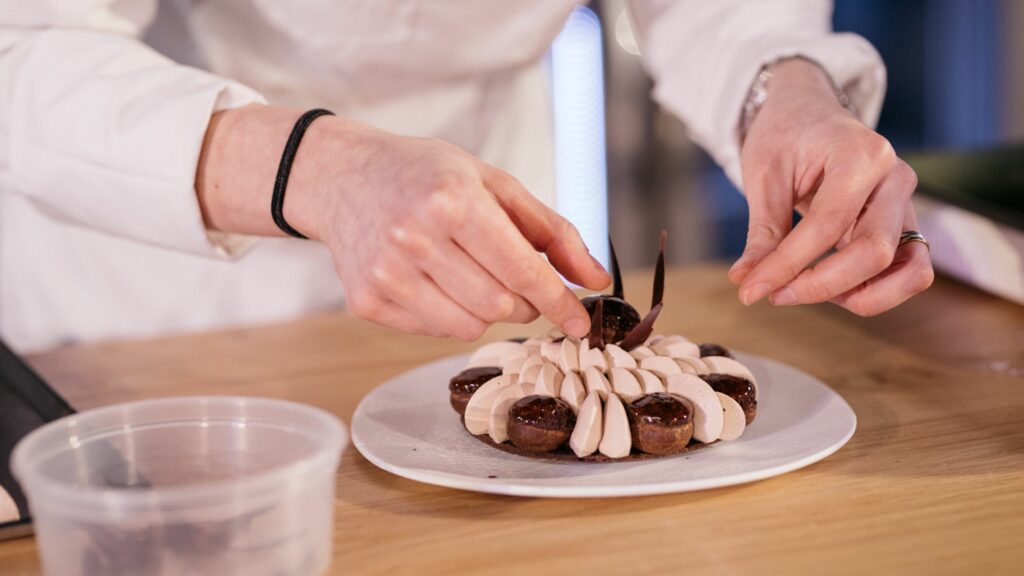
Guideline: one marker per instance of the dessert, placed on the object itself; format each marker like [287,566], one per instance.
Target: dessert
[621,393]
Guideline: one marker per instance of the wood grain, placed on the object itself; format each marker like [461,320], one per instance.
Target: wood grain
[932,482]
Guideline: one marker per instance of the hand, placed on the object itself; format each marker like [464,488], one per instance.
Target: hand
[425,237]
[804,151]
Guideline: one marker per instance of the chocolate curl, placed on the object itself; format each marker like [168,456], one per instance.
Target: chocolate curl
[596,337]
[639,334]
[659,273]
[617,290]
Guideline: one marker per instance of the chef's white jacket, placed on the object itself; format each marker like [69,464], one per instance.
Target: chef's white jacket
[104,104]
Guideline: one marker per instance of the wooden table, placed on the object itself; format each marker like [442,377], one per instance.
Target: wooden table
[932,482]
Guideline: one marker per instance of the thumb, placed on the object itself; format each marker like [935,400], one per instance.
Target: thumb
[547,231]
[771,219]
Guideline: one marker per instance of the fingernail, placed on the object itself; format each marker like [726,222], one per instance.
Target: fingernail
[576,327]
[755,293]
[597,264]
[739,264]
[784,297]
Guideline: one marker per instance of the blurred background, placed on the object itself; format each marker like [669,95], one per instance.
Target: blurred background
[956,82]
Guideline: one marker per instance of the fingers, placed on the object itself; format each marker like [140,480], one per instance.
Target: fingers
[771,219]
[910,273]
[386,313]
[492,240]
[837,204]
[410,289]
[462,279]
[547,231]
[870,251]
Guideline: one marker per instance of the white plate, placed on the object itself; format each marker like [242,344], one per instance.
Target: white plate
[406,427]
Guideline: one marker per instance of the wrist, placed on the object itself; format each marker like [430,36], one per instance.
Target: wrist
[238,166]
[799,75]
[794,83]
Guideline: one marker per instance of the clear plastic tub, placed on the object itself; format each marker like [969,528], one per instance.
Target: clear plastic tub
[194,485]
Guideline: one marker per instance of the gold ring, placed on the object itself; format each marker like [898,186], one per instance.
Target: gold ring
[914,236]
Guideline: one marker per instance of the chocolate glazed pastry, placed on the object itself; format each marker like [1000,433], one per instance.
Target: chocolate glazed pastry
[618,316]
[714,350]
[540,423]
[465,383]
[660,423]
[739,389]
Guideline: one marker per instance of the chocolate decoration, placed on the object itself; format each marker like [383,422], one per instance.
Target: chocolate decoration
[596,336]
[518,339]
[618,317]
[659,272]
[660,423]
[642,331]
[617,288]
[739,389]
[540,423]
[639,334]
[612,319]
[709,349]
[465,383]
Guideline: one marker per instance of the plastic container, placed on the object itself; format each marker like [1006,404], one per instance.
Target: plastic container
[194,485]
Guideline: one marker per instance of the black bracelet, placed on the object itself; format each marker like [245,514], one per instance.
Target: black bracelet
[285,169]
